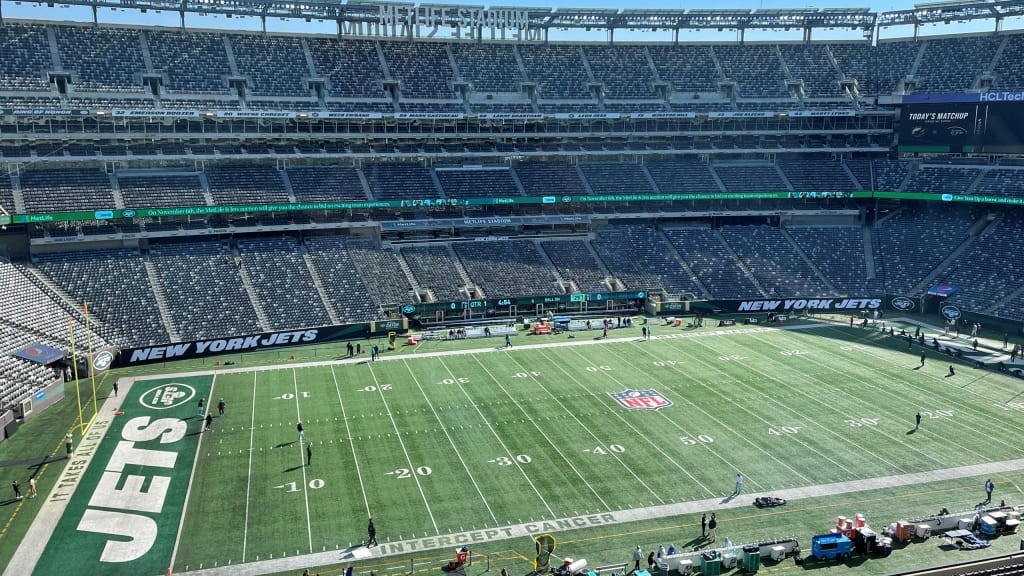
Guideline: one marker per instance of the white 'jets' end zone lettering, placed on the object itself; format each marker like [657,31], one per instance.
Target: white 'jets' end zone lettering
[132,497]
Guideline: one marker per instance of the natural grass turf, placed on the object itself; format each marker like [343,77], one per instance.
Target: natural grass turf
[436,445]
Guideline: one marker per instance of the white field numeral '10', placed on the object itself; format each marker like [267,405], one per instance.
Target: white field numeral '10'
[290,396]
[373,388]
[599,368]
[315,484]
[530,374]
[858,422]
[783,430]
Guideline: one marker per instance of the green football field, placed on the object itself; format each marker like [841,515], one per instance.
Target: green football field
[434,445]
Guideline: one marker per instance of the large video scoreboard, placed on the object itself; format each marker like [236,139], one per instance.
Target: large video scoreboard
[976,123]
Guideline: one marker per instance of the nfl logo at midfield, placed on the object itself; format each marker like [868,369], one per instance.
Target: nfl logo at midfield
[641,399]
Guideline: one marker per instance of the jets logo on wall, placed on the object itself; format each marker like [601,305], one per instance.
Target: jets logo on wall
[641,399]
[102,361]
[903,303]
[950,312]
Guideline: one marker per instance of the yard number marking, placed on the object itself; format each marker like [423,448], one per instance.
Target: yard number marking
[315,484]
[702,439]
[406,473]
[506,461]
[611,448]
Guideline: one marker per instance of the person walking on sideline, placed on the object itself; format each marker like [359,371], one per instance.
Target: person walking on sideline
[302,432]
[951,371]
[713,527]
[704,525]
[917,421]
[32,487]
[17,493]
[989,487]
[923,356]
[202,405]
[115,381]
[638,555]
[209,420]
[309,453]
[739,484]
[371,533]
[220,407]
[650,561]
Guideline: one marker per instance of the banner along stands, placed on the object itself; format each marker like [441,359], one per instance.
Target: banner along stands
[258,342]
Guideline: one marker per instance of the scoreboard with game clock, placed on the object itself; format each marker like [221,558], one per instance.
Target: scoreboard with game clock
[526,305]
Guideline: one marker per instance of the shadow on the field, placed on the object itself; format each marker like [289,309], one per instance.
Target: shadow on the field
[294,468]
[729,498]
[911,431]
[697,543]
[285,444]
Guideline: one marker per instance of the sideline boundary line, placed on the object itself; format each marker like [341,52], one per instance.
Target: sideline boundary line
[530,529]
[38,535]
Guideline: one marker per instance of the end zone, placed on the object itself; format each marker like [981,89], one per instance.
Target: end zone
[118,504]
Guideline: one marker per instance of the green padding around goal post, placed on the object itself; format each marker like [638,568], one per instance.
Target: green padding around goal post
[124,515]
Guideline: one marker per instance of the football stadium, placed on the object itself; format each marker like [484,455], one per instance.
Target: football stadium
[431,289]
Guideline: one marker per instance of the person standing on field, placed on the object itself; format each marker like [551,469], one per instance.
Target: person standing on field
[917,421]
[371,534]
[638,554]
[704,525]
[739,484]
[713,527]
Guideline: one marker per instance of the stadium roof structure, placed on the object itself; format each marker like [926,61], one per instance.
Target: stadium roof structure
[409,19]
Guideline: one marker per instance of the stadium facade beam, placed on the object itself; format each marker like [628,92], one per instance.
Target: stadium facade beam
[411,20]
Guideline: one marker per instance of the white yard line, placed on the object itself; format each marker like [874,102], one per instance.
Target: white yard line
[455,449]
[248,480]
[192,475]
[504,446]
[540,429]
[302,462]
[826,406]
[639,434]
[348,431]
[408,459]
[755,416]
[1005,424]
[531,529]
[741,437]
[588,429]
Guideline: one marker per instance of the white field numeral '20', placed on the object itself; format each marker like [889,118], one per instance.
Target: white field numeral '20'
[407,473]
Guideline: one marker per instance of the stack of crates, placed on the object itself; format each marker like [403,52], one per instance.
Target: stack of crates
[710,564]
[751,558]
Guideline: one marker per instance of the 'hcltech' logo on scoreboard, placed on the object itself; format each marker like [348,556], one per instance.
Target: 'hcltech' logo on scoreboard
[641,399]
